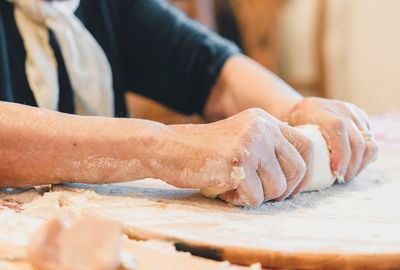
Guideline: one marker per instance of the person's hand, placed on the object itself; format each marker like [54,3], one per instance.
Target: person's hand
[246,159]
[346,130]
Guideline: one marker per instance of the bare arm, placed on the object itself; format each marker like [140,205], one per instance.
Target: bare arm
[244,84]
[39,146]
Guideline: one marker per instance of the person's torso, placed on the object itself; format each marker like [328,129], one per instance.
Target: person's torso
[99,17]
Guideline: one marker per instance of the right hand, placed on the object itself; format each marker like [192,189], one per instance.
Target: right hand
[250,158]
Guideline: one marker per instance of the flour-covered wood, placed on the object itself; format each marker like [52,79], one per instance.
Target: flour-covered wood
[351,226]
[354,225]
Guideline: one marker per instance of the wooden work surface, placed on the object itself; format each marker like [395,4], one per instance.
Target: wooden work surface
[351,226]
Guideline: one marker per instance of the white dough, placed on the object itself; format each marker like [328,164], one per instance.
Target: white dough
[322,176]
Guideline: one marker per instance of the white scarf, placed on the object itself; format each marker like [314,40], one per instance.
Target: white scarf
[87,65]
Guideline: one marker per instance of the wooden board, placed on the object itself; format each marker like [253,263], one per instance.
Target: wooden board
[352,226]
[144,254]
[18,228]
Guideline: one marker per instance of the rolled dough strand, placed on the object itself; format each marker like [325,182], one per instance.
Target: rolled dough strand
[321,176]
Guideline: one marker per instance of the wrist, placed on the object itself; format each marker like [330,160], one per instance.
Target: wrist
[179,145]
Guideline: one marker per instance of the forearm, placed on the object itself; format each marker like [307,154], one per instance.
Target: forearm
[42,147]
[244,84]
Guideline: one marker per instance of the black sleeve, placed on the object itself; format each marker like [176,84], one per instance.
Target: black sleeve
[167,57]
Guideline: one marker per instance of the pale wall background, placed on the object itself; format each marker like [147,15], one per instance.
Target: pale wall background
[362,50]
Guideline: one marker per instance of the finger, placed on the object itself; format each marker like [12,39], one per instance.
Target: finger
[354,113]
[372,149]
[335,133]
[358,147]
[306,150]
[364,118]
[370,154]
[359,116]
[361,120]
[249,192]
[272,178]
[295,152]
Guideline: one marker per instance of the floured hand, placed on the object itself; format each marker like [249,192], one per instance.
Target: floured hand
[346,130]
[246,159]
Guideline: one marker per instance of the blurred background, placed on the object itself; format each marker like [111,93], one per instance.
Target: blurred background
[342,49]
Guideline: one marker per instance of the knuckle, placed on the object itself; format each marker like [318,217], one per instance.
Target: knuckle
[246,135]
[255,131]
[338,124]
[253,114]
[253,124]
[247,140]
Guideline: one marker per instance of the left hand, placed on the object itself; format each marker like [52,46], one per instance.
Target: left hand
[346,130]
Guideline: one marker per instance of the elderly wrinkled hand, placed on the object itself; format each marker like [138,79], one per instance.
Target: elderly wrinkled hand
[246,159]
[346,130]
